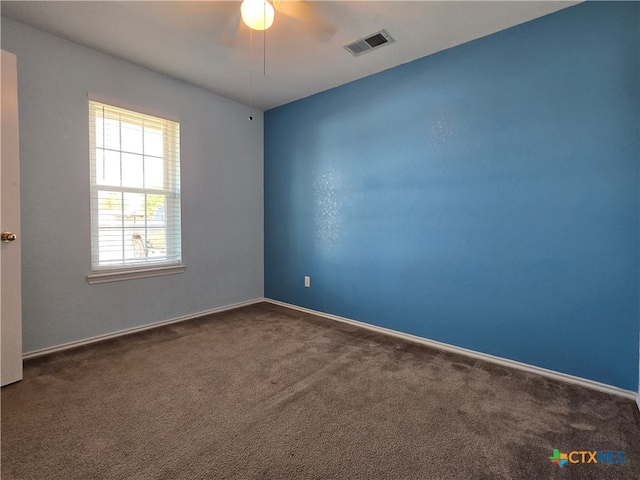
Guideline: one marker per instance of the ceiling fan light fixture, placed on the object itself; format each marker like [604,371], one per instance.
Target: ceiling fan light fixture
[257,14]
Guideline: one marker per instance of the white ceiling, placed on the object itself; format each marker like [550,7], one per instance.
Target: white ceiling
[200,42]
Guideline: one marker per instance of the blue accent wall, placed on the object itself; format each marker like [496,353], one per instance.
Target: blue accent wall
[485,196]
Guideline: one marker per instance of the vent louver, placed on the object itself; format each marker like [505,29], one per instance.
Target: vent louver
[370,42]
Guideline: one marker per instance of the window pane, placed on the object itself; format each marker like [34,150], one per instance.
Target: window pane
[134,208]
[109,208]
[99,137]
[100,168]
[153,142]
[107,167]
[155,207]
[134,226]
[135,243]
[153,172]
[131,138]
[156,226]
[111,132]
[132,170]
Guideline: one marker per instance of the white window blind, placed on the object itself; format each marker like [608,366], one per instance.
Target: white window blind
[135,190]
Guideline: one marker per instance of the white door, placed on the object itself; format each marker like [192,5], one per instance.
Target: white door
[10,278]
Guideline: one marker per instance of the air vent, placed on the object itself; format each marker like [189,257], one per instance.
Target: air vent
[370,42]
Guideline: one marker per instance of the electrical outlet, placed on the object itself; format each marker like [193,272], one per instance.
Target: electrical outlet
[307,281]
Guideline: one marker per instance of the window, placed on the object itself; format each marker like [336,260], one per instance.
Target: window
[135,194]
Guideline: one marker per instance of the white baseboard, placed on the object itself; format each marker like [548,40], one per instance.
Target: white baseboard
[564,377]
[129,331]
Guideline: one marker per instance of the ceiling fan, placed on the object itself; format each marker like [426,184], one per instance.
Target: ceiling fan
[260,15]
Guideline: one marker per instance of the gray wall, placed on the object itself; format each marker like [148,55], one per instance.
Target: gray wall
[222,194]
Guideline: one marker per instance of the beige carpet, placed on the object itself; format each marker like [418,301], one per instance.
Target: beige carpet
[265,392]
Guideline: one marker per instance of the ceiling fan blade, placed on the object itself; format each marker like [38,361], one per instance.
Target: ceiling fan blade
[308,14]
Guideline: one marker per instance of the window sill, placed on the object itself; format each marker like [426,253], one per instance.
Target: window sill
[118,276]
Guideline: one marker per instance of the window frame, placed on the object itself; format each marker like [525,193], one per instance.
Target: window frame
[171,191]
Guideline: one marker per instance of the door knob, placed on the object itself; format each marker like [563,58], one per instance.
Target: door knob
[7,237]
